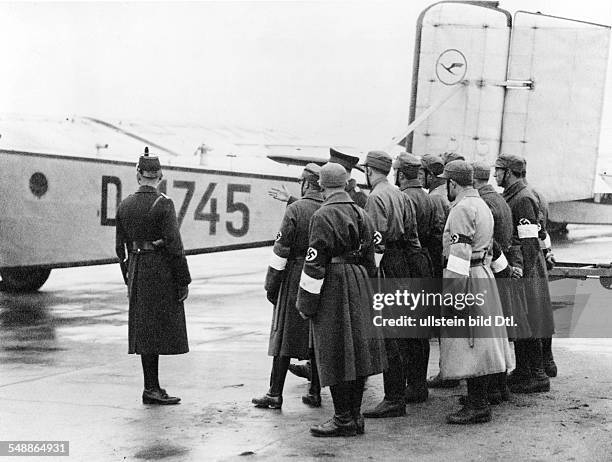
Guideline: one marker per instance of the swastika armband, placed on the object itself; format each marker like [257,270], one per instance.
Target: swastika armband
[310,284]
[527,230]
[460,239]
[311,254]
[278,263]
[500,264]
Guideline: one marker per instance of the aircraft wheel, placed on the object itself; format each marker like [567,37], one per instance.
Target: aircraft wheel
[606,282]
[23,279]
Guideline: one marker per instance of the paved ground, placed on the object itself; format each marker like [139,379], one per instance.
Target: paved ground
[65,375]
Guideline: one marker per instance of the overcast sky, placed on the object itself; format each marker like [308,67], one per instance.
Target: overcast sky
[327,71]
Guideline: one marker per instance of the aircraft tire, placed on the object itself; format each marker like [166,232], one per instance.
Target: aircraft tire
[23,279]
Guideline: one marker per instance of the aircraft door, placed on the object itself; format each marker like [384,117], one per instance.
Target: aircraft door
[556,124]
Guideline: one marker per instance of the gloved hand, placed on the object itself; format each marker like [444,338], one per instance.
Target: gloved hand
[183,292]
[517,272]
[550,260]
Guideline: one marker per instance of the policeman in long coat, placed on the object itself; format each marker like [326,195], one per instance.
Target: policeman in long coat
[550,367]
[527,262]
[289,332]
[511,292]
[473,353]
[336,294]
[150,251]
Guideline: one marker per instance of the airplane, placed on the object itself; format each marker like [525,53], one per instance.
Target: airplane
[500,92]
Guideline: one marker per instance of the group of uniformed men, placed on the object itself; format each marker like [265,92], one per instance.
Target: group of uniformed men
[332,243]
[444,223]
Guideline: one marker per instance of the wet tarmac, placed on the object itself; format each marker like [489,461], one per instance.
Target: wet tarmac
[65,375]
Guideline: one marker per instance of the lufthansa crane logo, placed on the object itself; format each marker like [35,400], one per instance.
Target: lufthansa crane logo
[451,67]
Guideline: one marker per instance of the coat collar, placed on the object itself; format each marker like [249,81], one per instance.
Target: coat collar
[380,182]
[415,183]
[486,189]
[146,189]
[340,197]
[513,190]
[470,192]
[313,195]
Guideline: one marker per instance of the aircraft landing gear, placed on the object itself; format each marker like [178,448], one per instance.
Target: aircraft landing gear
[23,279]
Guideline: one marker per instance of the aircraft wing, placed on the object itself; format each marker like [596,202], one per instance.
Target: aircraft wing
[300,160]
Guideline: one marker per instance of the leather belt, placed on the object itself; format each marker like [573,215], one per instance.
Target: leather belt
[139,246]
[477,261]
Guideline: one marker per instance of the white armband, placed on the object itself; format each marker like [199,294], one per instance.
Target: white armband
[545,243]
[500,264]
[309,284]
[527,231]
[458,265]
[278,263]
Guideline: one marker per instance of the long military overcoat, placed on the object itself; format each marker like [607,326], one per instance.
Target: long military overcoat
[511,291]
[289,332]
[481,350]
[156,322]
[338,295]
[525,253]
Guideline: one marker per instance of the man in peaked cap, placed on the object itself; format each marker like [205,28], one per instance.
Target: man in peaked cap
[348,162]
[289,334]
[335,292]
[399,255]
[473,353]
[550,367]
[527,262]
[512,295]
[150,251]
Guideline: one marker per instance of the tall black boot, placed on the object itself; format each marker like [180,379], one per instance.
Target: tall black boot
[313,397]
[394,379]
[153,393]
[550,367]
[416,370]
[342,423]
[357,397]
[522,372]
[476,409]
[538,381]
[274,398]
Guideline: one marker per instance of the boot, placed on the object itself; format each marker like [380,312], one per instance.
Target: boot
[341,424]
[476,409]
[301,370]
[550,367]
[538,381]
[386,409]
[416,395]
[416,371]
[522,371]
[356,399]
[313,397]
[274,398]
[268,401]
[470,414]
[158,396]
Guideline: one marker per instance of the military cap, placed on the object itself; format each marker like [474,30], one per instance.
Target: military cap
[482,171]
[460,171]
[450,156]
[379,160]
[149,166]
[511,162]
[433,163]
[408,164]
[347,161]
[311,172]
[333,176]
